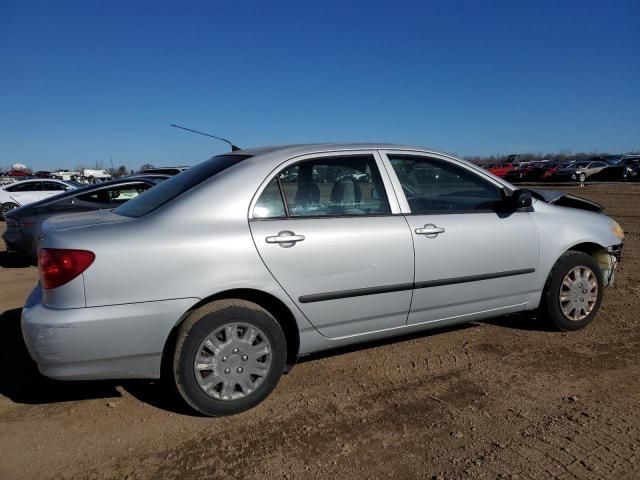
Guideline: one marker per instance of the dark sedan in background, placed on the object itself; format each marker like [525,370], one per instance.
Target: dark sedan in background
[24,224]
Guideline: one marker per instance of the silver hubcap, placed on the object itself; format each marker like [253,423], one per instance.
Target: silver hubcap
[232,361]
[578,293]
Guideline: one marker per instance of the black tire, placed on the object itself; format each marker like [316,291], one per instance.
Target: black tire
[550,306]
[206,320]
[6,208]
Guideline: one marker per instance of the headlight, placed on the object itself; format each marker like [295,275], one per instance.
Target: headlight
[617,230]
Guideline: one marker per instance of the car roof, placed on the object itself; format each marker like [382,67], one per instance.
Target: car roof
[307,148]
[29,180]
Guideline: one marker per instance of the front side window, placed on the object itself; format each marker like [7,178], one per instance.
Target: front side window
[326,186]
[25,187]
[438,186]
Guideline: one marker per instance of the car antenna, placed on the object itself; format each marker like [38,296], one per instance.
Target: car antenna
[233,147]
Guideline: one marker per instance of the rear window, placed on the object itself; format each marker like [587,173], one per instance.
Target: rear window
[171,188]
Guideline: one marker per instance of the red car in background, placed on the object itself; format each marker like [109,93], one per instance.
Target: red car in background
[500,170]
[18,173]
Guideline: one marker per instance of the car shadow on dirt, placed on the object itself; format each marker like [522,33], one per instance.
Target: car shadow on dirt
[20,379]
[21,382]
[14,260]
[522,321]
[384,341]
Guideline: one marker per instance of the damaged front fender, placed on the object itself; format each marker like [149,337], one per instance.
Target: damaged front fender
[563,199]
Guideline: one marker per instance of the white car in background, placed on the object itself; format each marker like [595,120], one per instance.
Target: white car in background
[29,191]
[93,175]
[64,175]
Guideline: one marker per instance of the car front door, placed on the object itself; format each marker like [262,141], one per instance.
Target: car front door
[473,258]
[337,244]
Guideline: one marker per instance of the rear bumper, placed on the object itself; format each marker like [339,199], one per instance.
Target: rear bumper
[118,341]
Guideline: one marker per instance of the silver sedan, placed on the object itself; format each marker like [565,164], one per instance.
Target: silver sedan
[223,276]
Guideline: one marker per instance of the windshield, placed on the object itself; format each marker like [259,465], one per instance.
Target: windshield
[171,188]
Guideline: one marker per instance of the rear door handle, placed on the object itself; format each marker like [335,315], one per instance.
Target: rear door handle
[430,229]
[285,237]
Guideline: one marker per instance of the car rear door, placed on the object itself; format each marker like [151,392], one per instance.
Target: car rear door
[337,244]
[49,188]
[471,258]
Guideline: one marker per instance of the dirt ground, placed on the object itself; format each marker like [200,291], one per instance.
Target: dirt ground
[506,398]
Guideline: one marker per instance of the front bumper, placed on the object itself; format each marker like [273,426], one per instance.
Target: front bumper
[14,239]
[110,342]
[609,261]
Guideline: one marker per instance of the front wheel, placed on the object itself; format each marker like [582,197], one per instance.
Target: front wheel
[229,356]
[7,207]
[573,293]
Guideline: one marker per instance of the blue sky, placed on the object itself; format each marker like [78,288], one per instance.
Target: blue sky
[83,81]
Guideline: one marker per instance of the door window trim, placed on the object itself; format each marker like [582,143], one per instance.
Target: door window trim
[387,186]
[399,191]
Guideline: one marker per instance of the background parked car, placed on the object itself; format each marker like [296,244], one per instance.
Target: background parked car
[17,173]
[29,191]
[527,172]
[25,224]
[502,169]
[164,170]
[621,167]
[94,175]
[579,171]
[64,175]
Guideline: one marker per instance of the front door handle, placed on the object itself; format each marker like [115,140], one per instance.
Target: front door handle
[285,238]
[430,230]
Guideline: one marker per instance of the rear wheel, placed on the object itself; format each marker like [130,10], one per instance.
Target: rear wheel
[573,293]
[229,357]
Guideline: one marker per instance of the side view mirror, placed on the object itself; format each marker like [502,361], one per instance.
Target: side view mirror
[521,199]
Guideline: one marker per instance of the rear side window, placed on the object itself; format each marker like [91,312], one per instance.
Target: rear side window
[170,189]
[53,186]
[270,203]
[326,186]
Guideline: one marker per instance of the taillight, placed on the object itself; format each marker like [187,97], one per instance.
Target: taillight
[58,266]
